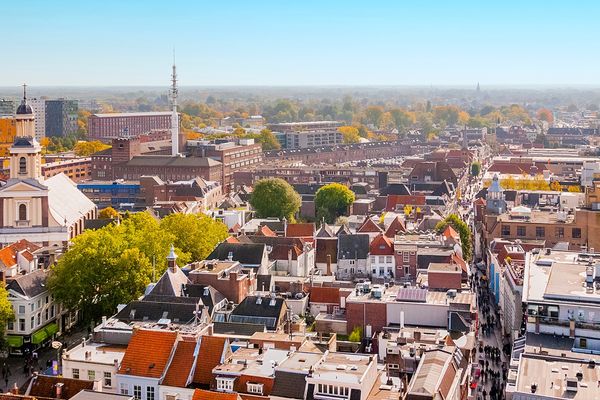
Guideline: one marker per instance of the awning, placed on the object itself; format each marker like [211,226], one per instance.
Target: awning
[51,329]
[39,336]
[14,341]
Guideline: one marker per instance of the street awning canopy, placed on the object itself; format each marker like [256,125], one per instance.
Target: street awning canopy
[14,341]
[39,336]
[51,329]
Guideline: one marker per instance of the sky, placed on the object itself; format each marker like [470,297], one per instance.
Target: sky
[302,42]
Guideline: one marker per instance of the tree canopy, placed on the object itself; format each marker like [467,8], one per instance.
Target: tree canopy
[268,140]
[475,168]
[463,230]
[108,213]
[350,134]
[6,310]
[113,265]
[332,201]
[275,198]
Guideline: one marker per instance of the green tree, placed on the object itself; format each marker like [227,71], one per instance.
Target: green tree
[275,198]
[373,115]
[356,335]
[463,230]
[268,140]
[475,168]
[332,201]
[6,310]
[198,234]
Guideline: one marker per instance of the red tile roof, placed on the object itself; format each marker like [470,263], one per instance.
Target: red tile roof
[450,233]
[381,246]
[212,353]
[181,365]
[264,230]
[306,230]
[241,384]
[200,394]
[459,260]
[232,239]
[283,252]
[327,295]
[394,200]
[148,353]
[396,226]
[369,226]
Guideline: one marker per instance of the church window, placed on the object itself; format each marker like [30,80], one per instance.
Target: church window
[22,165]
[22,212]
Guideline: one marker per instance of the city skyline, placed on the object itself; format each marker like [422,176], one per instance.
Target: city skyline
[307,44]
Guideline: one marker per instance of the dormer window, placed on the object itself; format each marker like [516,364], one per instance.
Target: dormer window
[255,388]
[22,165]
[225,384]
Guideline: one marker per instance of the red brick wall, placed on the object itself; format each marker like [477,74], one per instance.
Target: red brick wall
[412,264]
[444,280]
[362,314]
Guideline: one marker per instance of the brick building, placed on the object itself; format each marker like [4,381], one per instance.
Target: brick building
[109,126]
[77,169]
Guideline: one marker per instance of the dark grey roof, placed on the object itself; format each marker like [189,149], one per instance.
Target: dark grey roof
[444,188]
[237,328]
[267,311]
[98,223]
[31,284]
[325,232]
[23,141]
[191,294]
[153,311]
[170,161]
[24,108]
[289,384]
[245,253]
[307,188]
[353,246]
[510,195]
[343,230]
[396,188]
[457,323]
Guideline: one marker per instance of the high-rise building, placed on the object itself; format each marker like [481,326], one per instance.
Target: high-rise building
[7,107]
[38,106]
[61,117]
[106,127]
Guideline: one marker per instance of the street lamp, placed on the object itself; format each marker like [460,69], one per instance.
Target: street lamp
[57,346]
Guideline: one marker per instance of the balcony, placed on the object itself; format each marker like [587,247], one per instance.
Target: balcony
[22,223]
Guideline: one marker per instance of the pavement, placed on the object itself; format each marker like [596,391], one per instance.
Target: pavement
[16,364]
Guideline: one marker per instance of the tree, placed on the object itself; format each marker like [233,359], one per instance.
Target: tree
[463,230]
[268,140]
[475,168]
[86,149]
[350,134]
[574,189]
[108,213]
[408,210]
[544,114]
[356,335]
[332,201]
[198,234]
[555,186]
[373,115]
[275,198]
[403,120]
[6,310]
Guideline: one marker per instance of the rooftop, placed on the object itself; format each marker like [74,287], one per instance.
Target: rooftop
[348,368]
[99,353]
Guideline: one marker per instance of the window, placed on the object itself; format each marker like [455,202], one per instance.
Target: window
[149,392]
[137,392]
[388,259]
[10,326]
[576,233]
[32,307]
[583,343]
[22,212]
[21,324]
[521,231]
[333,390]
[505,230]
[540,231]
[123,389]
[32,322]
[405,257]
[406,270]
[39,319]
[75,373]
[373,259]
[559,232]
[22,165]
[21,309]
[225,384]
[107,379]
[91,375]
[256,388]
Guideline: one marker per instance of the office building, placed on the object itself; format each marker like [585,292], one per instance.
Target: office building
[61,117]
[122,125]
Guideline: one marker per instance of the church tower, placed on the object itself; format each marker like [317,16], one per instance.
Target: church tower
[495,202]
[24,119]
[25,152]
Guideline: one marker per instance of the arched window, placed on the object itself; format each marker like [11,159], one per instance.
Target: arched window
[22,212]
[22,165]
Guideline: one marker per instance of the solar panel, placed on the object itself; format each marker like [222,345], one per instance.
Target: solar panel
[416,295]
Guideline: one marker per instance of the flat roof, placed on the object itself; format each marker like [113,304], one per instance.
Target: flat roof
[133,114]
[549,377]
[343,367]
[300,361]
[100,353]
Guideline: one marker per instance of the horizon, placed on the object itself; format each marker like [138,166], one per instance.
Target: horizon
[268,44]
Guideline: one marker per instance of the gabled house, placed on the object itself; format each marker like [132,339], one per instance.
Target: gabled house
[145,363]
[395,227]
[269,311]
[249,255]
[383,262]
[353,256]
[305,231]
[370,228]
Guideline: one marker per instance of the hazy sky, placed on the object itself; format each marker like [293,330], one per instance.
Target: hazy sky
[220,42]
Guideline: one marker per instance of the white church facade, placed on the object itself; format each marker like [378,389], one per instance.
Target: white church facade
[47,212]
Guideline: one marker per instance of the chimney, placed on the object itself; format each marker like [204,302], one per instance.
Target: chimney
[417,336]
[15,389]
[328,264]
[103,321]
[59,387]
